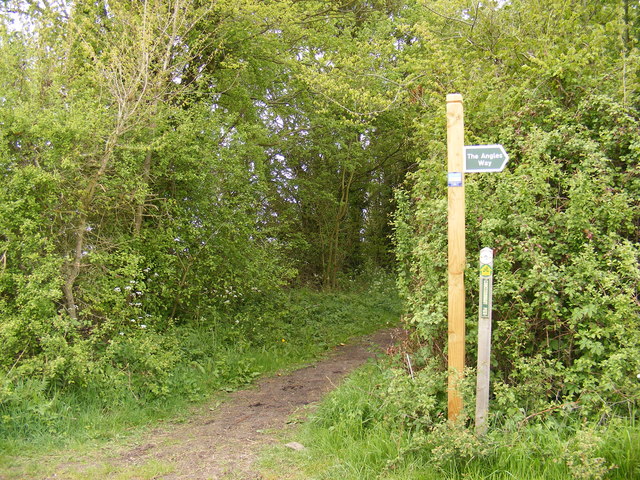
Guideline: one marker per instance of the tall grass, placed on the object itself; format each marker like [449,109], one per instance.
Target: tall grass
[363,430]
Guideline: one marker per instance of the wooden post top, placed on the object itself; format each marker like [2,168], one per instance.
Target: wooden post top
[454,97]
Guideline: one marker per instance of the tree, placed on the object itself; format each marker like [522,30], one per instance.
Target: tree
[128,186]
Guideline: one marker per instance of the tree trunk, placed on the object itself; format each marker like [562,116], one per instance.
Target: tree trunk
[72,267]
[332,265]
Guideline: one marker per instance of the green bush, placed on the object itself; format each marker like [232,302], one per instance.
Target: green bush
[563,222]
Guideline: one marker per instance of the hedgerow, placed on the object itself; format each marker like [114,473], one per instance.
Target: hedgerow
[563,222]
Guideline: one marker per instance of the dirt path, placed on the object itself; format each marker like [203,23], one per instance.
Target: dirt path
[223,442]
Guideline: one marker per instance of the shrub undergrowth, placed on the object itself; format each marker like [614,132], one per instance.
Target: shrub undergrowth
[141,382]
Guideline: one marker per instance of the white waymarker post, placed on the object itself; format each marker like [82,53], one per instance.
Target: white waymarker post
[484,339]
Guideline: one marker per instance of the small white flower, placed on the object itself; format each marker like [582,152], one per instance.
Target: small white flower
[121,333]
[117,289]
[132,281]
[128,287]
[138,293]
[143,326]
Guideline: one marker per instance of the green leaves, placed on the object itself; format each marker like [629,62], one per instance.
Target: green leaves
[559,218]
[212,153]
[561,226]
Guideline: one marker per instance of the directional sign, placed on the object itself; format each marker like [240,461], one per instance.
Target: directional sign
[484,158]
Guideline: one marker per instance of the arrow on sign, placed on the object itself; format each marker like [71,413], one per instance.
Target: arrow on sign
[484,158]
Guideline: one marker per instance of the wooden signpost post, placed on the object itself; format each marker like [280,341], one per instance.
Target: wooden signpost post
[455,181]
[461,159]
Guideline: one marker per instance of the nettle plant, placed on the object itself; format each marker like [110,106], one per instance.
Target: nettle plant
[563,222]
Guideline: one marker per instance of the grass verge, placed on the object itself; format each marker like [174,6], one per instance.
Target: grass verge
[379,424]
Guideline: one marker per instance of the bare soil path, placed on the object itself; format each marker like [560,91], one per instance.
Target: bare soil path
[224,442]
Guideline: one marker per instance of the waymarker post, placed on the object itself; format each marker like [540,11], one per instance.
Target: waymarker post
[484,339]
